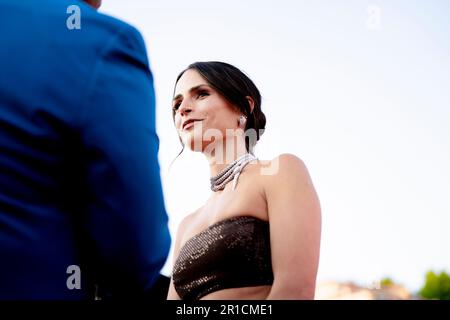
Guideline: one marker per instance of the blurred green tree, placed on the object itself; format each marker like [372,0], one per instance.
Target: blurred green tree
[437,286]
[385,282]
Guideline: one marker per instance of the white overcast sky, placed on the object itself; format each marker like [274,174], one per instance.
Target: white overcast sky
[360,90]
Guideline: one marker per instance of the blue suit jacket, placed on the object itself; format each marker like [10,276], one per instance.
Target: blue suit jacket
[79,175]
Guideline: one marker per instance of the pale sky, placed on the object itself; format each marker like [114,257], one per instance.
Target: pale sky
[359,90]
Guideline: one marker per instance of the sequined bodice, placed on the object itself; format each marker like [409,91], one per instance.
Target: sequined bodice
[231,253]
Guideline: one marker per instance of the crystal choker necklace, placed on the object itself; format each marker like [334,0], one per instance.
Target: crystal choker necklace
[231,172]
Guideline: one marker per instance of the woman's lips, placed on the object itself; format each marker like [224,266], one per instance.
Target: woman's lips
[190,124]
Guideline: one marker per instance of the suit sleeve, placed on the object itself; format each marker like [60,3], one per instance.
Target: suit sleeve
[125,217]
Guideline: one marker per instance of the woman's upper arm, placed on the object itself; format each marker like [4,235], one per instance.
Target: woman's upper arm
[295,228]
[172,294]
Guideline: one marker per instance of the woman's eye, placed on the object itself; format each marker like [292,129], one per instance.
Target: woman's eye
[176,106]
[202,94]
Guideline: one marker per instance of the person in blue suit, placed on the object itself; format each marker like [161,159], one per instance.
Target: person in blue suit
[82,214]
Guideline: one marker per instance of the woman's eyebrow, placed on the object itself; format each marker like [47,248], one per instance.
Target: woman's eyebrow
[178,96]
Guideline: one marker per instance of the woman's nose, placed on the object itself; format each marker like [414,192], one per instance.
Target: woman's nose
[185,108]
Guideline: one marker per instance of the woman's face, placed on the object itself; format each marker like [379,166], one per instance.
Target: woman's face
[201,112]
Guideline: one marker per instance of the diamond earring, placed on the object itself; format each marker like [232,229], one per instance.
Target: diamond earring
[242,120]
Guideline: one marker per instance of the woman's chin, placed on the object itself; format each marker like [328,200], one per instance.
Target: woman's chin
[195,145]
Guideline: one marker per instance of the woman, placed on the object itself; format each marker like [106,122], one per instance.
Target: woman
[258,234]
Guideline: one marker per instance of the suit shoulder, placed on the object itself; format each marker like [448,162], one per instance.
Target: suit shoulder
[90,23]
[114,25]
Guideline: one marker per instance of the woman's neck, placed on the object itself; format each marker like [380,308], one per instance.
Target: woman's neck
[221,155]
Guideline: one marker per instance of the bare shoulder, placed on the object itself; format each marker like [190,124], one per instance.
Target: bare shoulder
[187,220]
[183,226]
[290,161]
[284,174]
[282,166]
[289,189]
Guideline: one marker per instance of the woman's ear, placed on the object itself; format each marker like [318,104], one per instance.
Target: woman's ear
[251,103]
